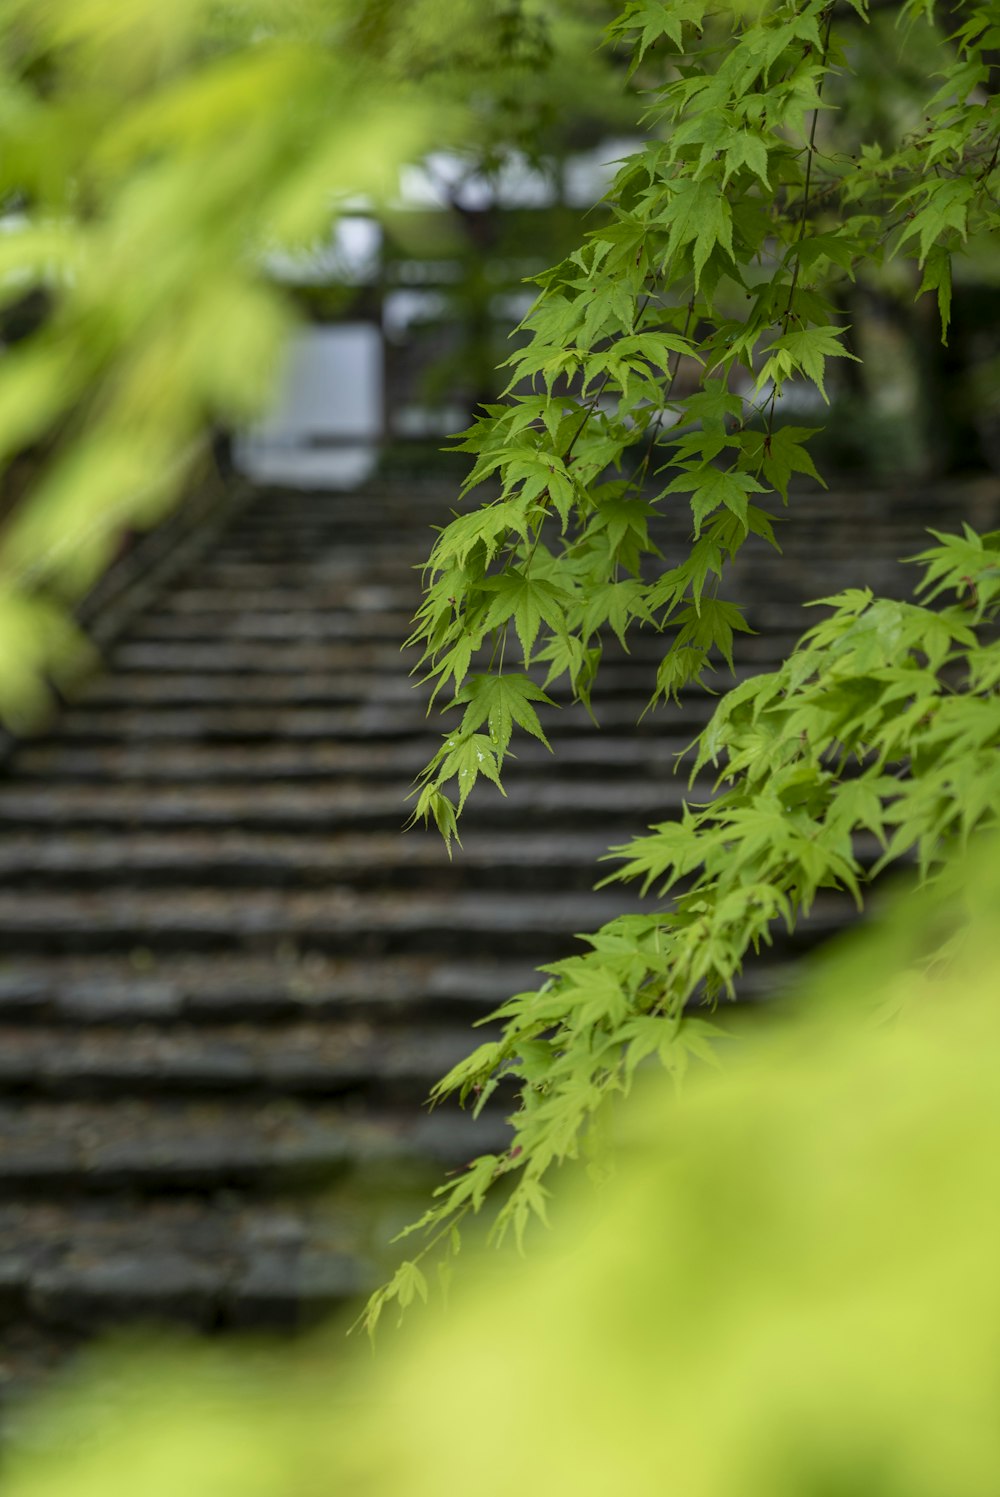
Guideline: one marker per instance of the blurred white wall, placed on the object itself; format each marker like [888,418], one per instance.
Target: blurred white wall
[328,415]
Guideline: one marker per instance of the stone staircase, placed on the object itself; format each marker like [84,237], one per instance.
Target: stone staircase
[227,980]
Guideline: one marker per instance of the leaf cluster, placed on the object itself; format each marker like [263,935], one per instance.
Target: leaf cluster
[649,371]
[875,742]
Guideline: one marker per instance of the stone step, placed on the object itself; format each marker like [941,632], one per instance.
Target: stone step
[56,1148]
[202,1264]
[238,658]
[335,805]
[297,544]
[368,722]
[288,987]
[376,599]
[359,601]
[89,992]
[387,1064]
[253,859]
[397,760]
[306,624]
[391,626]
[236,561]
[295,572]
[336,921]
[330,688]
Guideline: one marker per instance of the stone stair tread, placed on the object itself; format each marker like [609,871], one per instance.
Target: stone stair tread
[198,1262]
[145,1059]
[361,598]
[164,660]
[628,687]
[144,989]
[330,687]
[371,721]
[400,758]
[338,921]
[780,607]
[341,904]
[366,591]
[328,624]
[210,988]
[321,804]
[310,1057]
[308,912]
[148,1146]
[276,857]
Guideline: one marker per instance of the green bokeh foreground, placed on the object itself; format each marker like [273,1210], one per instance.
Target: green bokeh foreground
[789,1287]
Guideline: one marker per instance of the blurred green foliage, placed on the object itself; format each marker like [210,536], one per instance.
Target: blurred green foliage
[150,157]
[789,1289]
[147,156]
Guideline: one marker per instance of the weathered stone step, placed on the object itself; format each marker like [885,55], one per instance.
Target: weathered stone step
[149,1147]
[366,597]
[397,760]
[242,858]
[439,489]
[332,806]
[380,525]
[236,562]
[336,921]
[360,600]
[287,988]
[380,518]
[393,626]
[316,689]
[369,722]
[261,536]
[212,989]
[224,657]
[305,624]
[199,1263]
[618,679]
[236,658]
[372,586]
[391,1065]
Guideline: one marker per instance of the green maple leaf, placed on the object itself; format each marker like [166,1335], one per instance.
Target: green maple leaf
[937,277]
[699,213]
[500,702]
[781,453]
[947,207]
[711,488]
[466,760]
[490,525]
[807,349]
[712,404]
[746,149]
[528,601]
[615,603]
